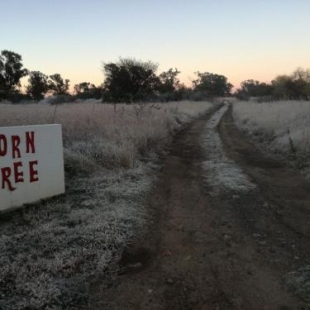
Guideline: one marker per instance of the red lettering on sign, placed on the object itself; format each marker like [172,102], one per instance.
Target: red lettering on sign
[3,145]
[33,172]
[6,173]
[30,146]
[12,175]
[15,147]
[18,175]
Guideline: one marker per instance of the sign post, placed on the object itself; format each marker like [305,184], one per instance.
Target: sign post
[31,164]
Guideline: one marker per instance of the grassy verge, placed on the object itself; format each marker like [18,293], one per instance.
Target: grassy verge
[278,127]
[50,251]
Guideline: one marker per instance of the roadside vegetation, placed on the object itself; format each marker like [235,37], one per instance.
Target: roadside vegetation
[50,252]
[280,127]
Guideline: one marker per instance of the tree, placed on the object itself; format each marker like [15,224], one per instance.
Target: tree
[294,86]
[86,90]
[301,74]
[212,84]
[11,71]
[83,87]
[286,88]
[252,88]
[301,79]
[169,86]
[169,81]
[37,86]
[58,85]
[129,80]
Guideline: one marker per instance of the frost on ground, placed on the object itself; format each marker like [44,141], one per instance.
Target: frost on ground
[50,252]
[221,172]
[279,128]
[299,282]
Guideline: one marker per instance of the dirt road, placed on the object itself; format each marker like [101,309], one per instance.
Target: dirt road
[212,245]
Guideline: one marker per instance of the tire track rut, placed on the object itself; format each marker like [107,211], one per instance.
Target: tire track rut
[210,248]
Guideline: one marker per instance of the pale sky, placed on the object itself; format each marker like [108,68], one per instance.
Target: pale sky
[241,39]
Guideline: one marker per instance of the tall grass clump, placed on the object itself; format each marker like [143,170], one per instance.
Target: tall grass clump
[51,251]
[281,127]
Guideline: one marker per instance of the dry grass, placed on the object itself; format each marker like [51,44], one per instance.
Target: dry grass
[112,136]
[49,252]
[282,127]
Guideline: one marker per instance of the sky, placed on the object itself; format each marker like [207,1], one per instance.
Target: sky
[241,39]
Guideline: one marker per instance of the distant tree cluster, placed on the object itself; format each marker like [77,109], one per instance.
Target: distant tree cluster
[213,85]
[129,80]
[39,84]
[86,90]
[283,87]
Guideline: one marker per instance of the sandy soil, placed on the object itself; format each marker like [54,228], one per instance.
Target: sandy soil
[213,247]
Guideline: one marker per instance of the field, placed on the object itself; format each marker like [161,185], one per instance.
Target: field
[49,251]
[106,135]
[218,219]
[281,128]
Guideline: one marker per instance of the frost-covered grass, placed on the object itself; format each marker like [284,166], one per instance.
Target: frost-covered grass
[50,251]
[111,136]
[221,172]
[280,127]
[299,282]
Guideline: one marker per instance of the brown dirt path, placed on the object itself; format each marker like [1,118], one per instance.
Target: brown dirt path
[223,251]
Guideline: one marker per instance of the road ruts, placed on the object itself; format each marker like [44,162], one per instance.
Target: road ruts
[205,248]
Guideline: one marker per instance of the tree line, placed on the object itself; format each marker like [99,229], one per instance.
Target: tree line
[126,80]
[295,86]
[130,80]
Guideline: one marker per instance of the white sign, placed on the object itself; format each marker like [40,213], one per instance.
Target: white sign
[31,164]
